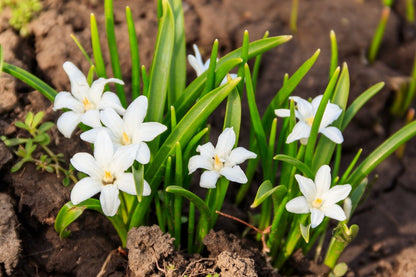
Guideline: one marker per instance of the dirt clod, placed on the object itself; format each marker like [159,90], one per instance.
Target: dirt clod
[232,265]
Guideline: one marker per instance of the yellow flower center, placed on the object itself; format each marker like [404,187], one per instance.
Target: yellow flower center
[87,104]
[309,120]
[108,178]
[218,163]
[125,140]
[317,203]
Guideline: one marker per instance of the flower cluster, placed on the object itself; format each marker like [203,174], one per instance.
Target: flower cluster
[119,136]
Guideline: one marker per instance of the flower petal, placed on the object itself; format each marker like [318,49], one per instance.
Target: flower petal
[97,88]
[336,194]
[323,180]
[225,143]
[199,161]
[90,135]
[282,112]
[109,200]
[307,187]
[333,134]
[79,84]
[87,164]
[206,150]
[316,217]
[304,108]
[85,188]
[147,131]
[143,153]
[67,123]
[335,212]
[64,99]
[125,182]
[316,102]
[124,157]
[209,179]
[300,131]
[91,118]
[111,100]
[239,155]
[136,112]
[103,149]
[113,121]
[298,205]
[234,174]
[332,112]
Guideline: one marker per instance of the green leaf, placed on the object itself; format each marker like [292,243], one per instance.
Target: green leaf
[159,73]
[233,113]
[134,53]
[13,141]
[177,76]
[198,202]
[357,194]
[112,47]
[96,48]
[304,231]
[82,49]
[37,119]
[138,175]
[70,212]
[44,127]
[334,53]
[29,119]
[30,80]
[265,190]
[210,83]
[297,163]
[21,125]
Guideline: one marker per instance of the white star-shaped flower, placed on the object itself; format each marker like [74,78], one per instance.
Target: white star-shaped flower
[106,174]
[200,67]
[84,102]
[305,111]
[130,129]
[220,161]
[318,198]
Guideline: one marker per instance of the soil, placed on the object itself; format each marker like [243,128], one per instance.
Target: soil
[30,200]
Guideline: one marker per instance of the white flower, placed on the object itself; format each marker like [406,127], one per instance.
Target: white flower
[306,112]
[318,198]
[221,160]
[84,102]
[130,129]
[106,174]
[200,67]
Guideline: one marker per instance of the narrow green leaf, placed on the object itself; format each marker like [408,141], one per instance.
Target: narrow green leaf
[265,190]
[357,194]
[145,79]
[138,175]
[334,53]
[134,53]
[244,57]
[233,113]
[96,48]
[37,118]
[297,163]
[257,63]
[192,143]
[90,75]
[30,80]
[210,83]
[359,102]
[29,119]
[304,231]
[159,73]
[177,76]
[82,49]
[378,35]
[112,47]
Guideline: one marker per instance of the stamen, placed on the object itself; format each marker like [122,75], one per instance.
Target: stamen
[310,120]
[108,178]
[218,163]
[317,203]
[87,104]
[126,139]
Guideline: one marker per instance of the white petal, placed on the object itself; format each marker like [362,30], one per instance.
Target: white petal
[307,187]
[148,131]
[226,141]
[332,112]
[87,164]
[206,150]
[85,188]
[103,149]
[90,135]
[335,212]
[282,112]
[336,194]
[234,174]
[67,123]
[109,200]
[97,88]
[316,102]
[79,84]
[136,112]
[143,153]
[304,108]
[65,100]
[239,155]
[316,217]
[298,205]
[124,157]
[125,182]
[333,134]
[323,180]
[146,189]
[196,65]
[113,121]
[199,161]
[91,118]
[111,100]
[209,179]
[300,130]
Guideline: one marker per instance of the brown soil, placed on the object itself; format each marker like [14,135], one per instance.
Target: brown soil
[30,200]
